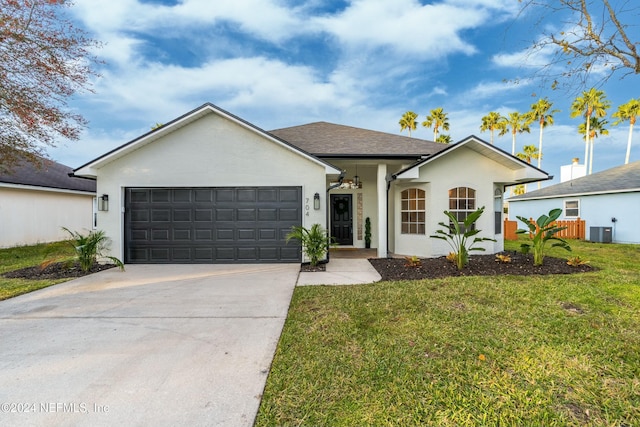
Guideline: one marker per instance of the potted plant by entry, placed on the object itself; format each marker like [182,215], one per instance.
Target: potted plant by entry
[367,233]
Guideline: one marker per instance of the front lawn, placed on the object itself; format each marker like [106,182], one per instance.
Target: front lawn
[465,351]
[29,256]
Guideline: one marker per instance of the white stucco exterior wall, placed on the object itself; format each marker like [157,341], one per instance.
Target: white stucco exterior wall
[209,152]
[595,210]
[29,215]
[462,167]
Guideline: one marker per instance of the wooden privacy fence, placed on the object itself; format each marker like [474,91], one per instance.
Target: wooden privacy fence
[575,229]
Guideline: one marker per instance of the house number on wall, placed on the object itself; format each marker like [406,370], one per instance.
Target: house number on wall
[306,206]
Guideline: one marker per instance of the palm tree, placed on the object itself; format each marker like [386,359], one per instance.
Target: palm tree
[595,128]
[516,123]
[492,122]
[540,112]
[438,119]
[528,153]
[591,103]
[408,121]
[629,111]
[444,139]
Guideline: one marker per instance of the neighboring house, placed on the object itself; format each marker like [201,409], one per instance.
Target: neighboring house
[211,187]
[37,200]
[608,199]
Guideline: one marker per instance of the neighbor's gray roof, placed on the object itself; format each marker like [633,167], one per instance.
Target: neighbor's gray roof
[47,174]
[331,140]
[623,178]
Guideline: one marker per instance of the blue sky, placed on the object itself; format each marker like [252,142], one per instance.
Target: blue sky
[279,63]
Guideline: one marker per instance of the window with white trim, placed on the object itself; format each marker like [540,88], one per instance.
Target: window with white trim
[462,202]
[572,208]
[412,211]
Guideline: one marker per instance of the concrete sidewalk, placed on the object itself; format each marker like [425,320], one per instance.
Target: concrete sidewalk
[341,272]
[156,345]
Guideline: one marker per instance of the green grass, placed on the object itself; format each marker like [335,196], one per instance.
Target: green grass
[29,256]
[468,351]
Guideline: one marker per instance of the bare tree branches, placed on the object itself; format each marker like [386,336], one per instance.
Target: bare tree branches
[44,60]
[599,39]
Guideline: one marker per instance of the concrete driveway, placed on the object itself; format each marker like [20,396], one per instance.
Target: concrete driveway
[156,345]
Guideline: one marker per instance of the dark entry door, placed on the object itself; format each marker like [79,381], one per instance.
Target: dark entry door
[341,219]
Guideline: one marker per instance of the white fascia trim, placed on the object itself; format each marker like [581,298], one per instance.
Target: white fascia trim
[592,193]
[47,189]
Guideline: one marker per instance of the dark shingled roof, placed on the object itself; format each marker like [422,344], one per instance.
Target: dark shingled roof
[49,174]
[614,180]
[324,139]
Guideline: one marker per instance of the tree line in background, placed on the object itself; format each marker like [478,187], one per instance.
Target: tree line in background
[591,105]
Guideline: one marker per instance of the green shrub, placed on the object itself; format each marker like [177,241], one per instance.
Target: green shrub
[89,247]
[540,232]
[315,242]
[457,236]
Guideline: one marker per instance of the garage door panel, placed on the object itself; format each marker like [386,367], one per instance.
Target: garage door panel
[224,215]
[182,234]
[160,235]
[246,214]
[211,225]
[182,215]
[203,215]
[160,196]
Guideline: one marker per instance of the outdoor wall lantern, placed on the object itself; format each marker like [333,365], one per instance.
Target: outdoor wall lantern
[316,201]
[103,202]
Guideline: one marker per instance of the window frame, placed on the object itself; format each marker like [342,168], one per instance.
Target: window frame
[413,212]
[463,205]
[566,209]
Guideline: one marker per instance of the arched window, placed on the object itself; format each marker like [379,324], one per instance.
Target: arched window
[413,211]
[462,202]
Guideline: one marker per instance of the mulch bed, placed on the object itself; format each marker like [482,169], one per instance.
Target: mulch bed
[56,270]
[479,265]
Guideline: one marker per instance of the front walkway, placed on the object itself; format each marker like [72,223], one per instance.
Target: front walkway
[341,271]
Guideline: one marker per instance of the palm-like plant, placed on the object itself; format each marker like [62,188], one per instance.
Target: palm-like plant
[516,123]
[89,247]
[492,122]
[629,111]
[528,153]
[591,103]
[444,139]
[315,241]
[408,121]
[540,112]
[596,128]
[438,120]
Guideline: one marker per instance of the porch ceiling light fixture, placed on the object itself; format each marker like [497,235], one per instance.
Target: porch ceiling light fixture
[356,179]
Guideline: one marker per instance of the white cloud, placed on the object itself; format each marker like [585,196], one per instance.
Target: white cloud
[405,26]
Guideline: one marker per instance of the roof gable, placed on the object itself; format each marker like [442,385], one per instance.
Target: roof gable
[625,178]
[45,174]
[89,169]
[332,140]
[529,173]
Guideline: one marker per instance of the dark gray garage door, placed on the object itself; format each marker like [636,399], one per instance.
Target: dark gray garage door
[211,225]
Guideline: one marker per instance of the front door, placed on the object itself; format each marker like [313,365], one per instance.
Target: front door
[341,219]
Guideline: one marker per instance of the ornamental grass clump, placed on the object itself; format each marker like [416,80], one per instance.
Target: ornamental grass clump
[458,236]
[541,232]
